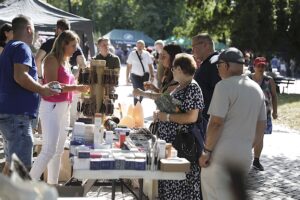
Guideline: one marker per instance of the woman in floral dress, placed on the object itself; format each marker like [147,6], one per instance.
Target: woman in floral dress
[189,94]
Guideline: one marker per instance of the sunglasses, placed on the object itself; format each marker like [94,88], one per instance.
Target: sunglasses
[219,64]
[260,66]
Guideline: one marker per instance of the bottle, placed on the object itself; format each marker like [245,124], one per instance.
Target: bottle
[98,130]
[122,138]
[98,120]
[109,137]
[161,146]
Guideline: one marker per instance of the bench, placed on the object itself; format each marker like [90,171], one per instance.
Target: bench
[284,82]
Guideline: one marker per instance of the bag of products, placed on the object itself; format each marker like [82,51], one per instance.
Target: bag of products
[189,143]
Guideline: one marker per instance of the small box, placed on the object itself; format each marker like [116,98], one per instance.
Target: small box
[130,164]
[81,163]
[83,154]
[107,163]
[120,163]
[95,164]
[95,155]
[140,164]
[175,165]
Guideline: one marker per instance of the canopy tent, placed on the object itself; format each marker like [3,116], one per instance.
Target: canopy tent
[121,36]
[45,16]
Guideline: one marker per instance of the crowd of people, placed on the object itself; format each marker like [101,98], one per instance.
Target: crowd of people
[234,109]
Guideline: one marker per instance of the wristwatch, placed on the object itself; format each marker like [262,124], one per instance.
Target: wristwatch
[168,117]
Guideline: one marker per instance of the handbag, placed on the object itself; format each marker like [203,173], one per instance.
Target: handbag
[146,74]
[188,143]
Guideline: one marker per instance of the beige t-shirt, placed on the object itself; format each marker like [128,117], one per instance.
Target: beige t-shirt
[240,101]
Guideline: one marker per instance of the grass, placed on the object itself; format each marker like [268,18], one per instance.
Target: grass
[289,111]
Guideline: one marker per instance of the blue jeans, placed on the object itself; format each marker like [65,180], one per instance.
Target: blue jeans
[17,135]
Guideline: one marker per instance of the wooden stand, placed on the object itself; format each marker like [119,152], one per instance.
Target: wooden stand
[97,90]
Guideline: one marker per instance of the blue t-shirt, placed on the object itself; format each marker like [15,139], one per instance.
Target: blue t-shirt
[14,99]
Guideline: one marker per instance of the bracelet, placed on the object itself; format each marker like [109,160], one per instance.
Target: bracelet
[207,150]
[168,117]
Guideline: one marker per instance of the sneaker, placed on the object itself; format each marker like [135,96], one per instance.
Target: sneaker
[258,166]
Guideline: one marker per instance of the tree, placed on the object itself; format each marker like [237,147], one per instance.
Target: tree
[158,18]
[281,26]
[294,30]
[244,29]
[265,26]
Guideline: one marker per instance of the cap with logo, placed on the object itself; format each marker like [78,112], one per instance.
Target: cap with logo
[231,54]
[260,61]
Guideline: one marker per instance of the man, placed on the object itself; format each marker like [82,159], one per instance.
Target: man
[207,74]
[112,61]
[77,57]
[139,65]
[158,45]
[19,92]
[237,120]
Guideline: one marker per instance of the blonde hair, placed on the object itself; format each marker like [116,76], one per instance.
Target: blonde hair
[58,50]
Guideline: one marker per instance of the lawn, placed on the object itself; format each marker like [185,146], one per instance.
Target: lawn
[289,111]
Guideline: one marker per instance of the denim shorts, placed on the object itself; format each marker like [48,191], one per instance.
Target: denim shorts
[17,136]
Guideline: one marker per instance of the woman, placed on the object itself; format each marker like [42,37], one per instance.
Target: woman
[189,94]
[168,84]
[268,86]
[6,34]
[55,110]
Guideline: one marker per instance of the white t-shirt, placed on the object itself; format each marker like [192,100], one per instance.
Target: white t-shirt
[240,101]
[137,67]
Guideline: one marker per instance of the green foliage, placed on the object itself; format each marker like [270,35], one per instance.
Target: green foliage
[294,30]
[59,4]
[264,26]
[245,17]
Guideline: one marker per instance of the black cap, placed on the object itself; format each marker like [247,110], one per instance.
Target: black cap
[231,54]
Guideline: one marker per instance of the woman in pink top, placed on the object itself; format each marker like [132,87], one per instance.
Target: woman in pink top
[55,110]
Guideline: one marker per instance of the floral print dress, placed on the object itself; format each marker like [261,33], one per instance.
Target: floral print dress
[191,98]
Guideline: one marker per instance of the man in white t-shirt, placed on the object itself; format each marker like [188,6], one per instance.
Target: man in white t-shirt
[139,67]
[237,120]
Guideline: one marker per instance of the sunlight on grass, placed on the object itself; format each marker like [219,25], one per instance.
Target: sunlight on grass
[289,111]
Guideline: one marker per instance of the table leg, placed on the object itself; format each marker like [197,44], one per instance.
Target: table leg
[113,192]
[141,182]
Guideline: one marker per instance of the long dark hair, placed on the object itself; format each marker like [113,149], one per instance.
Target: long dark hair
[172,50]
[4,28]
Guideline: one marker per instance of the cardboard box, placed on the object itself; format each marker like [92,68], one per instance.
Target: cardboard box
[175,165]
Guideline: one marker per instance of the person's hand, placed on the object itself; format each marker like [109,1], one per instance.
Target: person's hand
[83,88]
[155,115]
[160,116]
[137,92]
[204,159]
[275,116]
[128,81]
[47,90]
[148,85]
